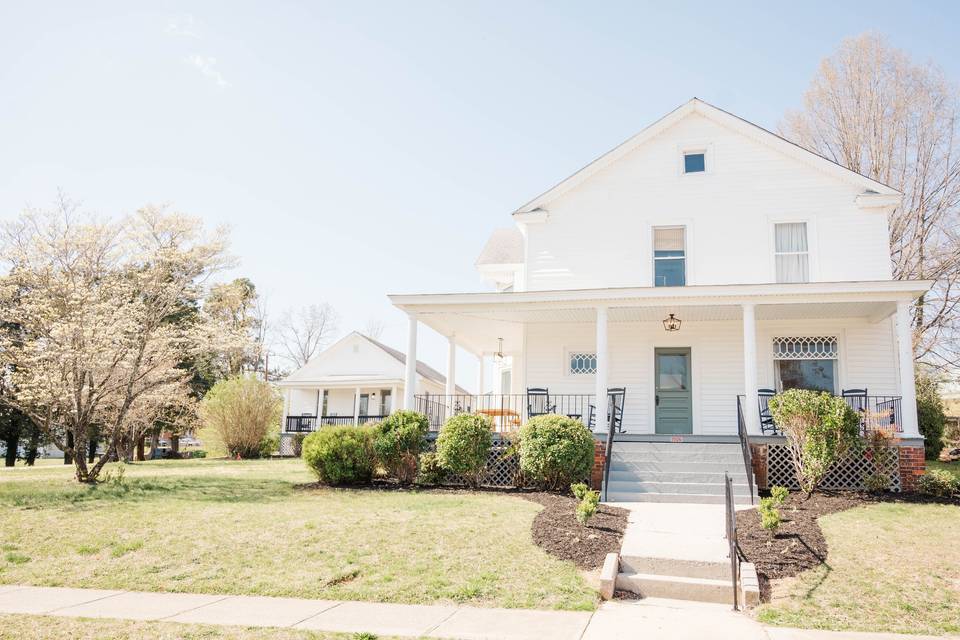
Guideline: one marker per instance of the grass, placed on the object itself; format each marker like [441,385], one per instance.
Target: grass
[54,628]
[952,467]
[891,567]
[228,527]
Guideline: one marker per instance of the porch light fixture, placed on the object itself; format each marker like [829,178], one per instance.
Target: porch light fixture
[498,356]
[672,323]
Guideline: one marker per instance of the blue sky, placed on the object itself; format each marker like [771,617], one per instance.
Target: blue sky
[364,148]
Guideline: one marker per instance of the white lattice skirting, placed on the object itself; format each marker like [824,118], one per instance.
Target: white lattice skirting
[845,474]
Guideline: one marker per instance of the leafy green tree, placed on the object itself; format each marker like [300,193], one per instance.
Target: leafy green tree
[930,415]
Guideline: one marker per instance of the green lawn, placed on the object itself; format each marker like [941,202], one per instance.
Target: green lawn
[53,628]
[891,567]
[216,526]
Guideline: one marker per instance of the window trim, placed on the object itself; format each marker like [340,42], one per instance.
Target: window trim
[837,357]
[654,258]
[693,147]
[813,262]
[567,351]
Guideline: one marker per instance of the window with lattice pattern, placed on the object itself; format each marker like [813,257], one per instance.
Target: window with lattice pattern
[582,363]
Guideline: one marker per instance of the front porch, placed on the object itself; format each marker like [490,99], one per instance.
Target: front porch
[306,408]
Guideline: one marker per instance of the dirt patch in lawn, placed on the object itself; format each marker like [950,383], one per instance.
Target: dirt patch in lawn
[556,530]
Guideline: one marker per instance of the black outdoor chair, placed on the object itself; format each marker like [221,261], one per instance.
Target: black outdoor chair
[618,396]
[856,398]
[767,424]
[538,402]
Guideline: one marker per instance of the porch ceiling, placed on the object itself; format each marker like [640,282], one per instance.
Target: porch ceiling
[478,320]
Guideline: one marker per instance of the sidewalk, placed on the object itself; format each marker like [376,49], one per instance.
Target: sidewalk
[650,619]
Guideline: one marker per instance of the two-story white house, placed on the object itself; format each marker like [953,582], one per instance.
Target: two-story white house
[675,283]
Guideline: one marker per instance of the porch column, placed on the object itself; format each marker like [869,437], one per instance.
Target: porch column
[601,380]
[286,408]
[751,415]
[356,406]
[451,367]
[481,361]
[319,412]
[410,374]
[393,398]
[908,389]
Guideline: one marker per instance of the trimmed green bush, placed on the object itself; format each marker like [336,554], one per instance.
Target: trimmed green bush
[930,416]
[555,451]
[589,500]
[769,515]
[939,483]
[779,494]
[340,455]
[820,429]
[429,470]
[398,441]
[464,444]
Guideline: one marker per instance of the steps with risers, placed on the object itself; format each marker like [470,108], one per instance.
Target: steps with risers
[684,472]
[676,587]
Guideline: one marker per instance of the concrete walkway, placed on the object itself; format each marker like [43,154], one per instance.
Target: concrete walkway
[650,619]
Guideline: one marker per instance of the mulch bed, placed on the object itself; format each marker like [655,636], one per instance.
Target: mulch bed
[799,543]
[556,530]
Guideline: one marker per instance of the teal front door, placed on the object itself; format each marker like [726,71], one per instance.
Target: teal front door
[674,400]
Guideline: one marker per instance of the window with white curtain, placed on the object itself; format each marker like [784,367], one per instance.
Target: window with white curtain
[669,257]
[791,253]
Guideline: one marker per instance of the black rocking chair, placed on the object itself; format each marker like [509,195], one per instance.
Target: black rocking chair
[767,424]
[538,402]
[617,396]
[856,398]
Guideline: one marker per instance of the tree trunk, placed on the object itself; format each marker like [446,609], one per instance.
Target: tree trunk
[68,452]
[174,444]
[92,449]
[139,456]
[154,435]
[12,442]
[33,446]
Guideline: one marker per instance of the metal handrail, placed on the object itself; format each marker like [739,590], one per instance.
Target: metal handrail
[745,447]
[731,522]
[608,451]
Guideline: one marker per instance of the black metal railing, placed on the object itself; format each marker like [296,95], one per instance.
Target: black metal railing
[508,411]
[731,521]
[876,412]
[745,448]
[608,452]
[306,424]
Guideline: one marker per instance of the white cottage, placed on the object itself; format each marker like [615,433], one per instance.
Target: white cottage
[672,286]
[353,381]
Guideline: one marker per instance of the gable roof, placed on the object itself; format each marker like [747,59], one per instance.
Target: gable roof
[423,369]
[724,118]
[505,246]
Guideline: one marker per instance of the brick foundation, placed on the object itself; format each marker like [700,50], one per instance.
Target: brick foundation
[912,466]
[599,458]
[758,458]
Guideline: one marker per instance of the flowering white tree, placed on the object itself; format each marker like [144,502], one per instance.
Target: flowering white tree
[94,337]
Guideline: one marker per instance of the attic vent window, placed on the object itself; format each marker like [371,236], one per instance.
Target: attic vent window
[694,162]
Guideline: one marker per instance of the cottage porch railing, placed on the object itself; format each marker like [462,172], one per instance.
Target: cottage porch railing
[508,411]
[876,412]
[306,424]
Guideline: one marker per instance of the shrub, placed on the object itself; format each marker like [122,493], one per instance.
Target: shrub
[876,482]
[930,415]
[555,451]
[340,455]
[939,483]
[198,453]
[464,444]
[589,500]
[297,443]
[243,411]
[779,495]
[769,515]
[430,471]
[820,429]
[881,453]
[398,440]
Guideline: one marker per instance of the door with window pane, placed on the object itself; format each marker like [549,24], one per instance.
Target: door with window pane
[674,396]
[669,257]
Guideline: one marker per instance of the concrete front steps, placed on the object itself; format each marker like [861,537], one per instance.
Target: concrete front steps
[682,472]
[676,579]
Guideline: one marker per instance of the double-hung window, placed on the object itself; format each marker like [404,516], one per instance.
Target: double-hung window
[806,362]
[669,257]
[791,252]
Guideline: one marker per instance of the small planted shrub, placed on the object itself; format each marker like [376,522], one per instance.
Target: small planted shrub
[340,455]
[245,414]
[398,441]
[930,415]
[464,444]
[820,429]
[589,501]
[555,451]
[876,482]
[938,483]
[769,515]
[779,495]
[429,469]
[297,443]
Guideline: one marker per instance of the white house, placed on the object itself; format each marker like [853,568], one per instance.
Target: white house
[353,381]
[696,268]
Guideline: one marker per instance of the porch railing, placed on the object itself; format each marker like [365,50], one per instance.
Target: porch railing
[876,412]
[508,411]
[306,424]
